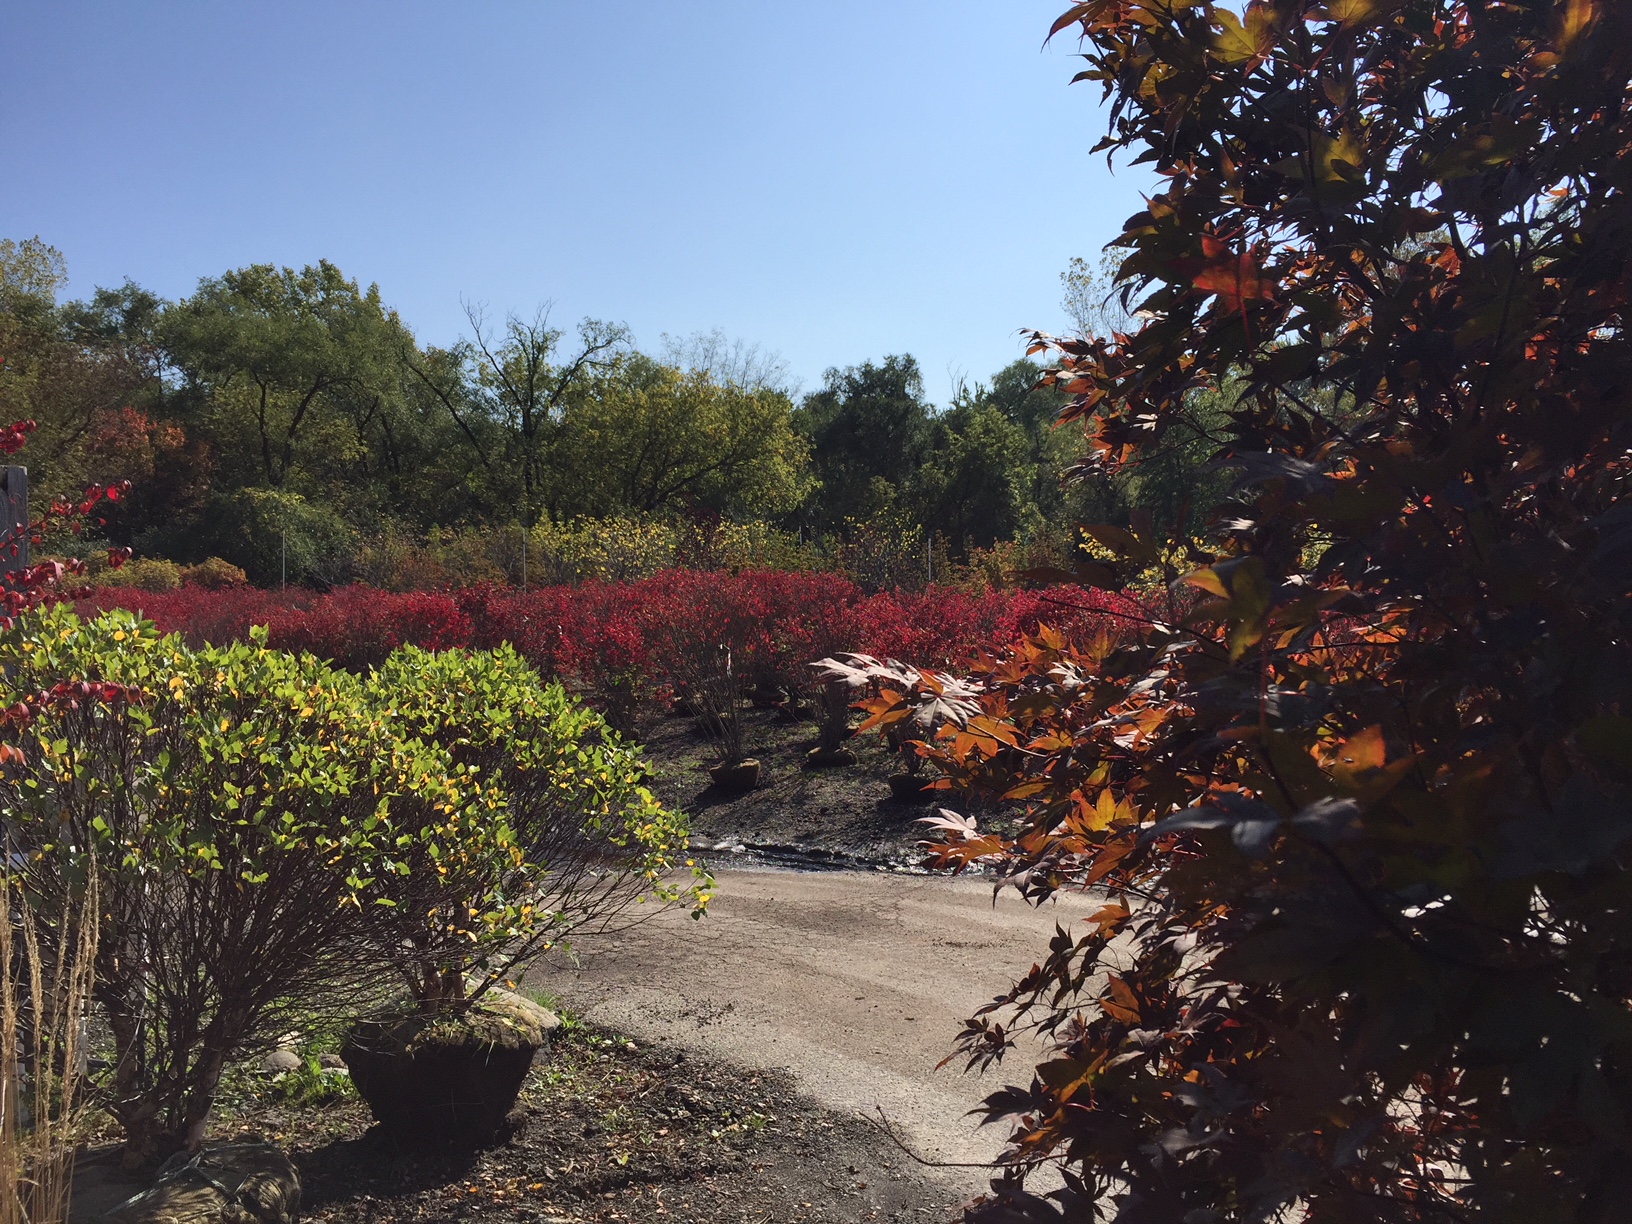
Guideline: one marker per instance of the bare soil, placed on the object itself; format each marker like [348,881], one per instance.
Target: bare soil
[843,817]
[611,1130]
[856,983]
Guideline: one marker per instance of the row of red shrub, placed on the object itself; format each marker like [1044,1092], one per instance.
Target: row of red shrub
[613,639]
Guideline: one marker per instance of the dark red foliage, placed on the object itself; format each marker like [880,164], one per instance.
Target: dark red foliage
[942,627]
[358,626]
[201,614]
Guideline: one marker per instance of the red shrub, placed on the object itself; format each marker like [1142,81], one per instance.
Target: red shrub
[617,642]
[358,626]
[201,614]
[1076,612]
[692,615]
[940,627]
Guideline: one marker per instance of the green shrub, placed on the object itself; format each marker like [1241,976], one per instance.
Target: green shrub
[142,574]
[240,805]
[566,839]
[276,536]
[620,548]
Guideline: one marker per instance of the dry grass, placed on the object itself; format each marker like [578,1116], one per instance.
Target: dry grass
[44,991]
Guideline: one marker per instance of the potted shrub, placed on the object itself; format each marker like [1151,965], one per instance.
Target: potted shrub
[719,693]
[551,834]
[235,803]
[832,727]
[912,784]
[709,633]
[907,724]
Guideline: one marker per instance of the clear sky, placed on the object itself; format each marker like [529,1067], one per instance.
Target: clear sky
[833,181]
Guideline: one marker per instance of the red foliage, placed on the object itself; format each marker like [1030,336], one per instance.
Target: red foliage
[358,626]
[201,614]
[619,641]
[941,627]
[29,585]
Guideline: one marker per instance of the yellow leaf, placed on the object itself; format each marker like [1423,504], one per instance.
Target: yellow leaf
[1238,43]
[1350,12]
[1329,153]
[1102,814]
[1208,580]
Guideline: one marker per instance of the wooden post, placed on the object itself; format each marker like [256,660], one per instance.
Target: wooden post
[14,500]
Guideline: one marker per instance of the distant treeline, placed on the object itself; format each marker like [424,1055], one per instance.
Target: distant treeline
[289,421]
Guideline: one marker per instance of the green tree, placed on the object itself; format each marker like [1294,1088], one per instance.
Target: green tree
[647,437]
[32,273]
[297,377]
[75,381]
[274,536]
[870,430]
[1090,298]
[522,380]
[976,485]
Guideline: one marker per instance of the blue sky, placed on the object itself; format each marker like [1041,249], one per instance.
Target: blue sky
[832,181]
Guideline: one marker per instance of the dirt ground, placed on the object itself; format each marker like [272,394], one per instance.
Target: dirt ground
[797,817]
[615,1130]
[856,983]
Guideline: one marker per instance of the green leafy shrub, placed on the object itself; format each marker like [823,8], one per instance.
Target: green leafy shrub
[142,574]
[238,802]
[620,548]
[312,1084]
[277,536]
[563,837]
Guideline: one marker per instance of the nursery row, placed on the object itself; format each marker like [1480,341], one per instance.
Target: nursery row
[621,642]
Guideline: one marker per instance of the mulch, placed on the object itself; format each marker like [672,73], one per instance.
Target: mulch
[613,1131]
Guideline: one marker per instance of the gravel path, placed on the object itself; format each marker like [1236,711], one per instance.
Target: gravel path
[857,983]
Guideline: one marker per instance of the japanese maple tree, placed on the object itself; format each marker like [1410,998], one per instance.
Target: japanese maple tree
[1359,800]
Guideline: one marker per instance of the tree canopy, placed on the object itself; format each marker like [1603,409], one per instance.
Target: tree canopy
[286,418]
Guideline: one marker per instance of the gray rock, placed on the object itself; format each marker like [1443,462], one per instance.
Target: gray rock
[282,1060]
[221,1183]
[331,1062]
